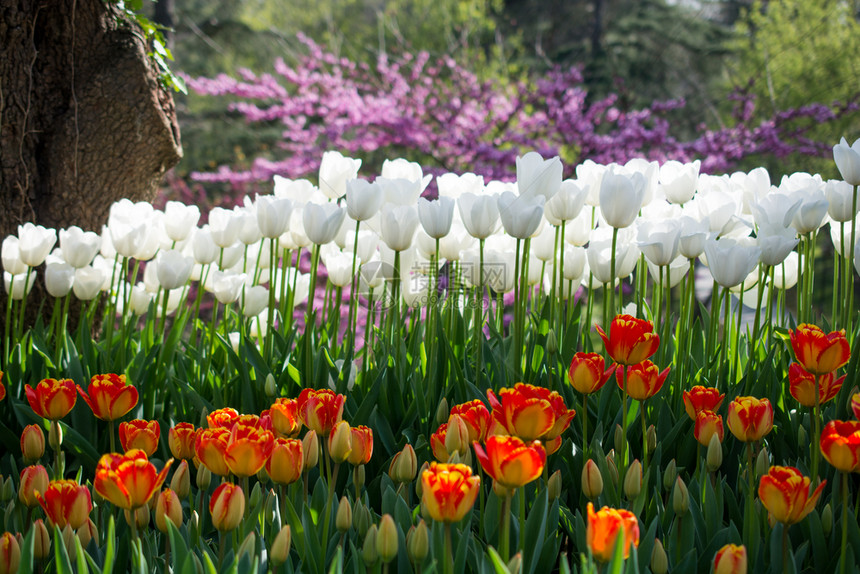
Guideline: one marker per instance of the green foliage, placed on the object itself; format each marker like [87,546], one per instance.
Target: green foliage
[154,35]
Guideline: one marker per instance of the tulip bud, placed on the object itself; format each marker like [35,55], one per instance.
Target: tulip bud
[611,468]
[310,450]
[651,438]
[669,475]
[500,490]
[457,436]
[8,490]
[33,478]
[802,436]
[88,532]
[551,343]
[361,519]
[280,551]
[168,507]
[659,560]
[262,475]
[554,486]
[515,563]
[204,478]
[198,566]
[404,465]
[32,443]
[10,553]
[633,480]
[730,559]
[368,551]
[55,435]
[204,419]
[256,496]
[344,515]
[41,540]
[98,499]
[270,388]
[270,506]
[248,547]
[418,542]
[69,542]
[194,527]
[442,411]
[340,442]
[592,480]
[619,433]
[386,539]
[827,520]
[181,481]
[139,515]
[419,489]
[715,453]
[680,498]
[762,463]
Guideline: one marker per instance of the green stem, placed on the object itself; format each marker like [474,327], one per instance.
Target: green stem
[750,495]
[622,456]
[585,427]
[843,548]
[522,535]
[849,323]
[816,425]
[112,438]
[644,435]
[611,307]
[449,550]
[505,528]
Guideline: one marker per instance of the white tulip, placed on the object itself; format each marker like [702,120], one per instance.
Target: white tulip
[409,170]
[180,220]
[436,216]
[173,269]
[537,176]
[813,210]
[12,263]
[567,203]
[299,191]
[521,215]
[230,256]
[335,171]
[399,191]
[775,208]
[106,249]
[321,222]
[575,263]
[249,231]
[453,186]
[650,170]
[590,176]
[785,275]
[35,243]
[416,290]
[660,241]
[254,300]
[368,241]
[453,244]
[578,232]
[753,186]
[363,199]
[140,300]
[224,227]
[499,271]
[621,198]
[339,267]
[298,236]
[273,215]
[59,278]
[677,270]
[775,242]
[543,246]
[203,247]
[840,199]
[731,260]
[79,246]
[399,223]
[847,160]
[227,287]
[480,214]
[678,180]
[88,282]
[17,284]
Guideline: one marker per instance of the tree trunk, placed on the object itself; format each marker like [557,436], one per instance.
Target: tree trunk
[83,119]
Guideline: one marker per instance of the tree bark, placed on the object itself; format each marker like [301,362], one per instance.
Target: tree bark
[83,118]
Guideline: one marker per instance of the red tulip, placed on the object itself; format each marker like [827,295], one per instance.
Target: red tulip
[819,352]
[477,418]
[630,340]
[750,418]
[530,412]
[128,480]
[801,385]
[141,435]
[840,445]
[604,527]
[700,399]
[707,425]
[66,502]
[222,418]
[248,449]
[286,463]
[227,507]
[180,439]
[110,397]
[362,445]
[320,410]
[644,380]
[449,491]
[52,399]
[210,446]
[511,462]
[586,373]
[784,492]
[285,417]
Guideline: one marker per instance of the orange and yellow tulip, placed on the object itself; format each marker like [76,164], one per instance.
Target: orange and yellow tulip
[855,405]
[449,491]
[700,399]
[248,449]
[749,418]
[285,417]
[644,380]
[630,340]
[437,443]
[511,462]
[222,418]
[731,559]
[320,410]
[33,479]
[840,445]
[140,434]
[210,446]
[286,462]
[66,502]
[708,424]
[587,373]
[477,418]
[128,480]
[604,527]
[168,507]
[801,385]
[110,397]
[180,439]
[362,445]
[530,412]
[10,552]
[227,507]
[52,399]
[784,492]
[819,352]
